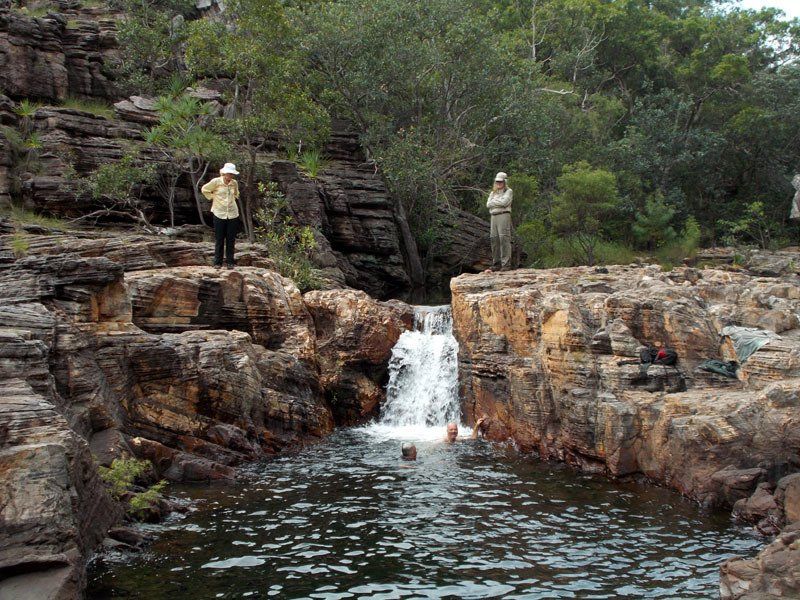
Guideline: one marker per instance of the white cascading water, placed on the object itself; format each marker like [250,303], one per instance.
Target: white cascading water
[423,374]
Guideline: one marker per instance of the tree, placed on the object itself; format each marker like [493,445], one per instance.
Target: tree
[652,225]
[152,34]
[118,186]
[254,46]
[187,145]
[586,196]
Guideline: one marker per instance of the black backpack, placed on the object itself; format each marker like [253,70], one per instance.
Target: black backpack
[658,356]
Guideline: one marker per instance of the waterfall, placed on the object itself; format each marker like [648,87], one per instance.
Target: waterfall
[423,373]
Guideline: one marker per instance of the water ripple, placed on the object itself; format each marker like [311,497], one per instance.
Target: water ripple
[347,519]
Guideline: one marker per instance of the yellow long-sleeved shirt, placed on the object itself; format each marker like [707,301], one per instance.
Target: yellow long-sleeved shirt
[223,197]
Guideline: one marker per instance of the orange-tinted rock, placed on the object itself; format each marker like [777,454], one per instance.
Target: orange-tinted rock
[540,352]
[355,336]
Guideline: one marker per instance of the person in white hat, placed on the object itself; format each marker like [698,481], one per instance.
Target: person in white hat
[499,205]
[223,191]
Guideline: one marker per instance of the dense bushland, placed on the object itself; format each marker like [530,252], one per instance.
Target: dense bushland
[625,125]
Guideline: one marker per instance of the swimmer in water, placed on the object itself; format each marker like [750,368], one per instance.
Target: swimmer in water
[452,430]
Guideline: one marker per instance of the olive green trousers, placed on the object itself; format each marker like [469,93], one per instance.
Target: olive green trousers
[500,236]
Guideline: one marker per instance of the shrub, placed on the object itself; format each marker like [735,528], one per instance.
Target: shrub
[312,162]
[536,241]
[290,246]
[685,246]
[121,477]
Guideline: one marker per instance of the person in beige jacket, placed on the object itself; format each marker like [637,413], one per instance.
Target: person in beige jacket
[223,191]
[499,205]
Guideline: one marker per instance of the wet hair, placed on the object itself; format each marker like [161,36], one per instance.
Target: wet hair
[408,449]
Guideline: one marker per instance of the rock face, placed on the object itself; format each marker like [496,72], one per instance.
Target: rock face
[774,573]
[540,352]
[355,336]
[131,346]
[52,58]
[362,232]
[545,355]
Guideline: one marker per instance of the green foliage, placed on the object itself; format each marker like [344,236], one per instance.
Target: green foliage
[96,107]
[752,227]
[312,162]
[652,225]
[122,474]
[290,246]
[187,142]
[118,181]
[526,197]
[20,244]
[586,198]
[537,241]
[27,109]
[121,478]
[254,46]
[152,34]
[141,502]
[683,247]
[36,9]
[20,217]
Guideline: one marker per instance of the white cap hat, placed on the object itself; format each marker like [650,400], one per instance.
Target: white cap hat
[500,176]
[229,168]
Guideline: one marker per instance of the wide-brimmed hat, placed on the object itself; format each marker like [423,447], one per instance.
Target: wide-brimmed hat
[229,168]
[500,176]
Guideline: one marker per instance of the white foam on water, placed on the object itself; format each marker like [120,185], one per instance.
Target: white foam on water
[422,393]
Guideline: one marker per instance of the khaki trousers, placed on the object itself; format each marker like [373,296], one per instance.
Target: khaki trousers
[500,236]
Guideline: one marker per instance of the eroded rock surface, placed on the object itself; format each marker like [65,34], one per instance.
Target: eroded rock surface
[541,353]
[551,357]
[133,346]
[355,336]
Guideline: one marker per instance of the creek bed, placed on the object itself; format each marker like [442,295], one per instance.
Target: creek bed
[347,519]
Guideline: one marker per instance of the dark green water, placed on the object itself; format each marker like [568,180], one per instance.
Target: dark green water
[347,519]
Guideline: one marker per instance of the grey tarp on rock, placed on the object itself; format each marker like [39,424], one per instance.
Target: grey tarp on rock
[748,340]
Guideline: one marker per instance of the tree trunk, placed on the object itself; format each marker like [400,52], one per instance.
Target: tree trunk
[194,174]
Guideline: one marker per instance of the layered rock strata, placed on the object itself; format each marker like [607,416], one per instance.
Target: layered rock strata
[551,357]
[54,57]
[355,336]
[132,346]
[540,352]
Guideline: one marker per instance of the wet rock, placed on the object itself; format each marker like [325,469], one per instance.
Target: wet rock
[127,535]
[77,373]
[53,506]
[355,336]
[761,505]
[774,573]
[737,484]
[787,493]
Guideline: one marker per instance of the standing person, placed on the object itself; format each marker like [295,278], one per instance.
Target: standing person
[499,205]
[223,191]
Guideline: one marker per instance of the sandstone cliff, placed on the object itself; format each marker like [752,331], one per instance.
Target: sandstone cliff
[131,345]
[541,353]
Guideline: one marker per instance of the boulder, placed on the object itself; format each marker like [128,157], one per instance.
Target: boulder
[774,573]
[355,336]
